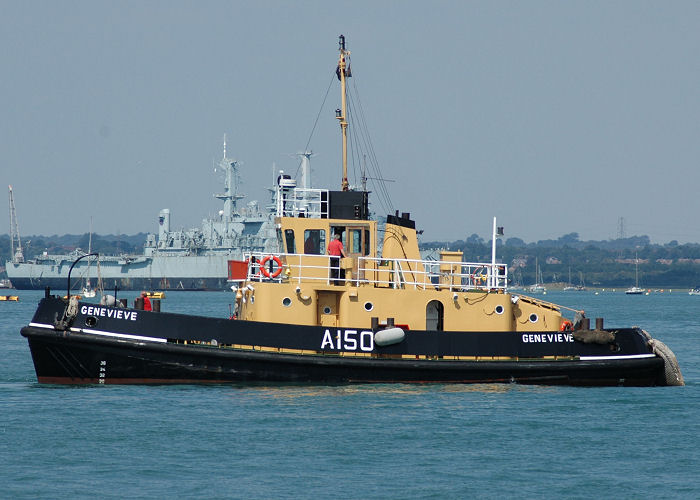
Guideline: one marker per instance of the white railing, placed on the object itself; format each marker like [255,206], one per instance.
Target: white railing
[378,272]
[295,202]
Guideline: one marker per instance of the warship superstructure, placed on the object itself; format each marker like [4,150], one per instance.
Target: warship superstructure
[192,259]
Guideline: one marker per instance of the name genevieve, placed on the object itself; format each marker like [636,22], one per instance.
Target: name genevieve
[532,338]
[109,313]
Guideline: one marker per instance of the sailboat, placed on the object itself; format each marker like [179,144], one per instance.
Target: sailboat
[570,287]
[517,280]
[581,283]
[538,287]
[88,291]
[635,290]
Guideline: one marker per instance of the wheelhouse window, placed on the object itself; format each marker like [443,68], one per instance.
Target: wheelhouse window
[315,241]
[358,243]
[289,238]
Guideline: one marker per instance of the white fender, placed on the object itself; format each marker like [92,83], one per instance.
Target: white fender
[389,336]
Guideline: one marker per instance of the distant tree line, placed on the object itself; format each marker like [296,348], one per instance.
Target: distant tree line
[609,263]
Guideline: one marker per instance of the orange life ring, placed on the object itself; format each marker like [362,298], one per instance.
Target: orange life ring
[566,326]
[267,273]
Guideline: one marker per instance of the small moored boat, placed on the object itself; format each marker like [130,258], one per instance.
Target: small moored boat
[635,290]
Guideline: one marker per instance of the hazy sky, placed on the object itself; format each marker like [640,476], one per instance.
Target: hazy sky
[553,116]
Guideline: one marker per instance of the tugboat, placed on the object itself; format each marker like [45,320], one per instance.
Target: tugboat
[302,315]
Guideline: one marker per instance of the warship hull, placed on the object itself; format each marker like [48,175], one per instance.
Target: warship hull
[124,346]
[171,283]
[135,273]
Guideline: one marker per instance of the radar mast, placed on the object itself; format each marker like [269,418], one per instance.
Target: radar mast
[229,167]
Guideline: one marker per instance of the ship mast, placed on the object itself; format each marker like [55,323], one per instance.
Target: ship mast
[230,194]
[343,72]
[17,255]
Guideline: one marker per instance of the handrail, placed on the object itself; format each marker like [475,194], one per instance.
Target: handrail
[295,202]
[384,272]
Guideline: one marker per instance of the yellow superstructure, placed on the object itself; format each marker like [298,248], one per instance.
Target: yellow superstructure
[366,290]
[396,287]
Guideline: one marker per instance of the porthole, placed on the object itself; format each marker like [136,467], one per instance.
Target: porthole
[286,302]
[90,321]
[534,318]
[369,306]
[499,309]
[326,310]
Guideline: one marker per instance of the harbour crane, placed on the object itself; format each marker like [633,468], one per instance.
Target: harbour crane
[16,251]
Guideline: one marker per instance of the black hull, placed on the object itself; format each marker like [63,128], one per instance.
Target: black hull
[122,346]
[155,284]
[87,359]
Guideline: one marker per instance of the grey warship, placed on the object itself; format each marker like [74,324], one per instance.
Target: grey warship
[191,259]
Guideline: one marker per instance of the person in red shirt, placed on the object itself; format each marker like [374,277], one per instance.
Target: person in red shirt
[336,251]
[146,302]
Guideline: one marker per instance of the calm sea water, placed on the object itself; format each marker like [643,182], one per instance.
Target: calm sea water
[356,441]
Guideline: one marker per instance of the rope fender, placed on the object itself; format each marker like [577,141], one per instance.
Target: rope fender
[672,372]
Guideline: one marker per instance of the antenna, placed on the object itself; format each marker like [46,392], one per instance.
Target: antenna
[224,145]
